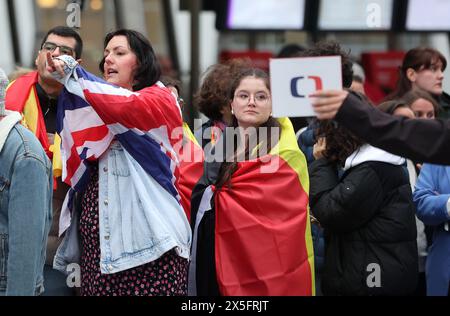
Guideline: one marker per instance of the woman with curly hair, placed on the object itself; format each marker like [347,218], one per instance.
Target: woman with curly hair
[212,100]
[367,216]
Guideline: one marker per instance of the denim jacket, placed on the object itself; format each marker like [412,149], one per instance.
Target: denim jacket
[25,211]
[139,221]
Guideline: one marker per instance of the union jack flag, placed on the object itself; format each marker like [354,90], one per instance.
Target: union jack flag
[92,113]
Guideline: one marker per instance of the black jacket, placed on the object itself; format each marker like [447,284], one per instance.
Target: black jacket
[444,104]
[419,140]
[368,217]
[205,265]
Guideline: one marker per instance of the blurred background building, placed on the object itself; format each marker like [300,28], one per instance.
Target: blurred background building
[190,35]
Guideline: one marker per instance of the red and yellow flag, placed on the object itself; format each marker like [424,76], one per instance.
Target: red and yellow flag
[21,96]
[263,243]
[191,168]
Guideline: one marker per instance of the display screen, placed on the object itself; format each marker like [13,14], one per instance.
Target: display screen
[266,15]
[429,15]
[361,15]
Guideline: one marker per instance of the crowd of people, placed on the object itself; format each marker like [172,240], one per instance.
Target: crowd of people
[102,173]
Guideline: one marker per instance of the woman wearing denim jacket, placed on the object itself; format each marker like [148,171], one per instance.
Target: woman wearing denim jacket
[25,205]
[133,232]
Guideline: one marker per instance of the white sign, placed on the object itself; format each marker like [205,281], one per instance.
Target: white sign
[293,80]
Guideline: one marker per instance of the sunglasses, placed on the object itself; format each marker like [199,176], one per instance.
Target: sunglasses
[51,47]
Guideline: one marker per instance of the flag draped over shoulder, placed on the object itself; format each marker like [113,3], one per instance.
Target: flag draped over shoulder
[22,97]
[92,113]
[191,168]
[262,235]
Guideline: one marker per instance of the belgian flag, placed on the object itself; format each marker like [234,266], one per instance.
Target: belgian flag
[254,237]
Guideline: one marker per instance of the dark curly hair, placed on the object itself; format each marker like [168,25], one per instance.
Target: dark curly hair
[148,70]
[340,142]
[331,48]
[212,96]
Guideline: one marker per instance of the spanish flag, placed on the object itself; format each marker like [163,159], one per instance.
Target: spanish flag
[21,96]
[262,243]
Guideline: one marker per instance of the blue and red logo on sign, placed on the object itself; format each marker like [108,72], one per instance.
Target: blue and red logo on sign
[294,85]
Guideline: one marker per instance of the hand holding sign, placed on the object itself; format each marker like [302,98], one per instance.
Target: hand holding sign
[327,103]
[295,80]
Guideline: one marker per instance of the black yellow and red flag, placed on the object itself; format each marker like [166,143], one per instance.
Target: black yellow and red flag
[262,243]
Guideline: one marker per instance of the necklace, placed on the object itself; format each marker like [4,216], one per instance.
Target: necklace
[50,102]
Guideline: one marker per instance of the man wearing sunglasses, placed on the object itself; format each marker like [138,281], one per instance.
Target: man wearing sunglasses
[35,96]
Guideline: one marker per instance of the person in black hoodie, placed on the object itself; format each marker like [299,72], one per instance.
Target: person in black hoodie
[367,215]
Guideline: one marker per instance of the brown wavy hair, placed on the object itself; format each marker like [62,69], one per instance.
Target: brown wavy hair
[212,96]
[340,142]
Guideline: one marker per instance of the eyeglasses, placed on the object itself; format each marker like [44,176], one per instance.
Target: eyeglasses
[260,98]
[180,101]
[51,47]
